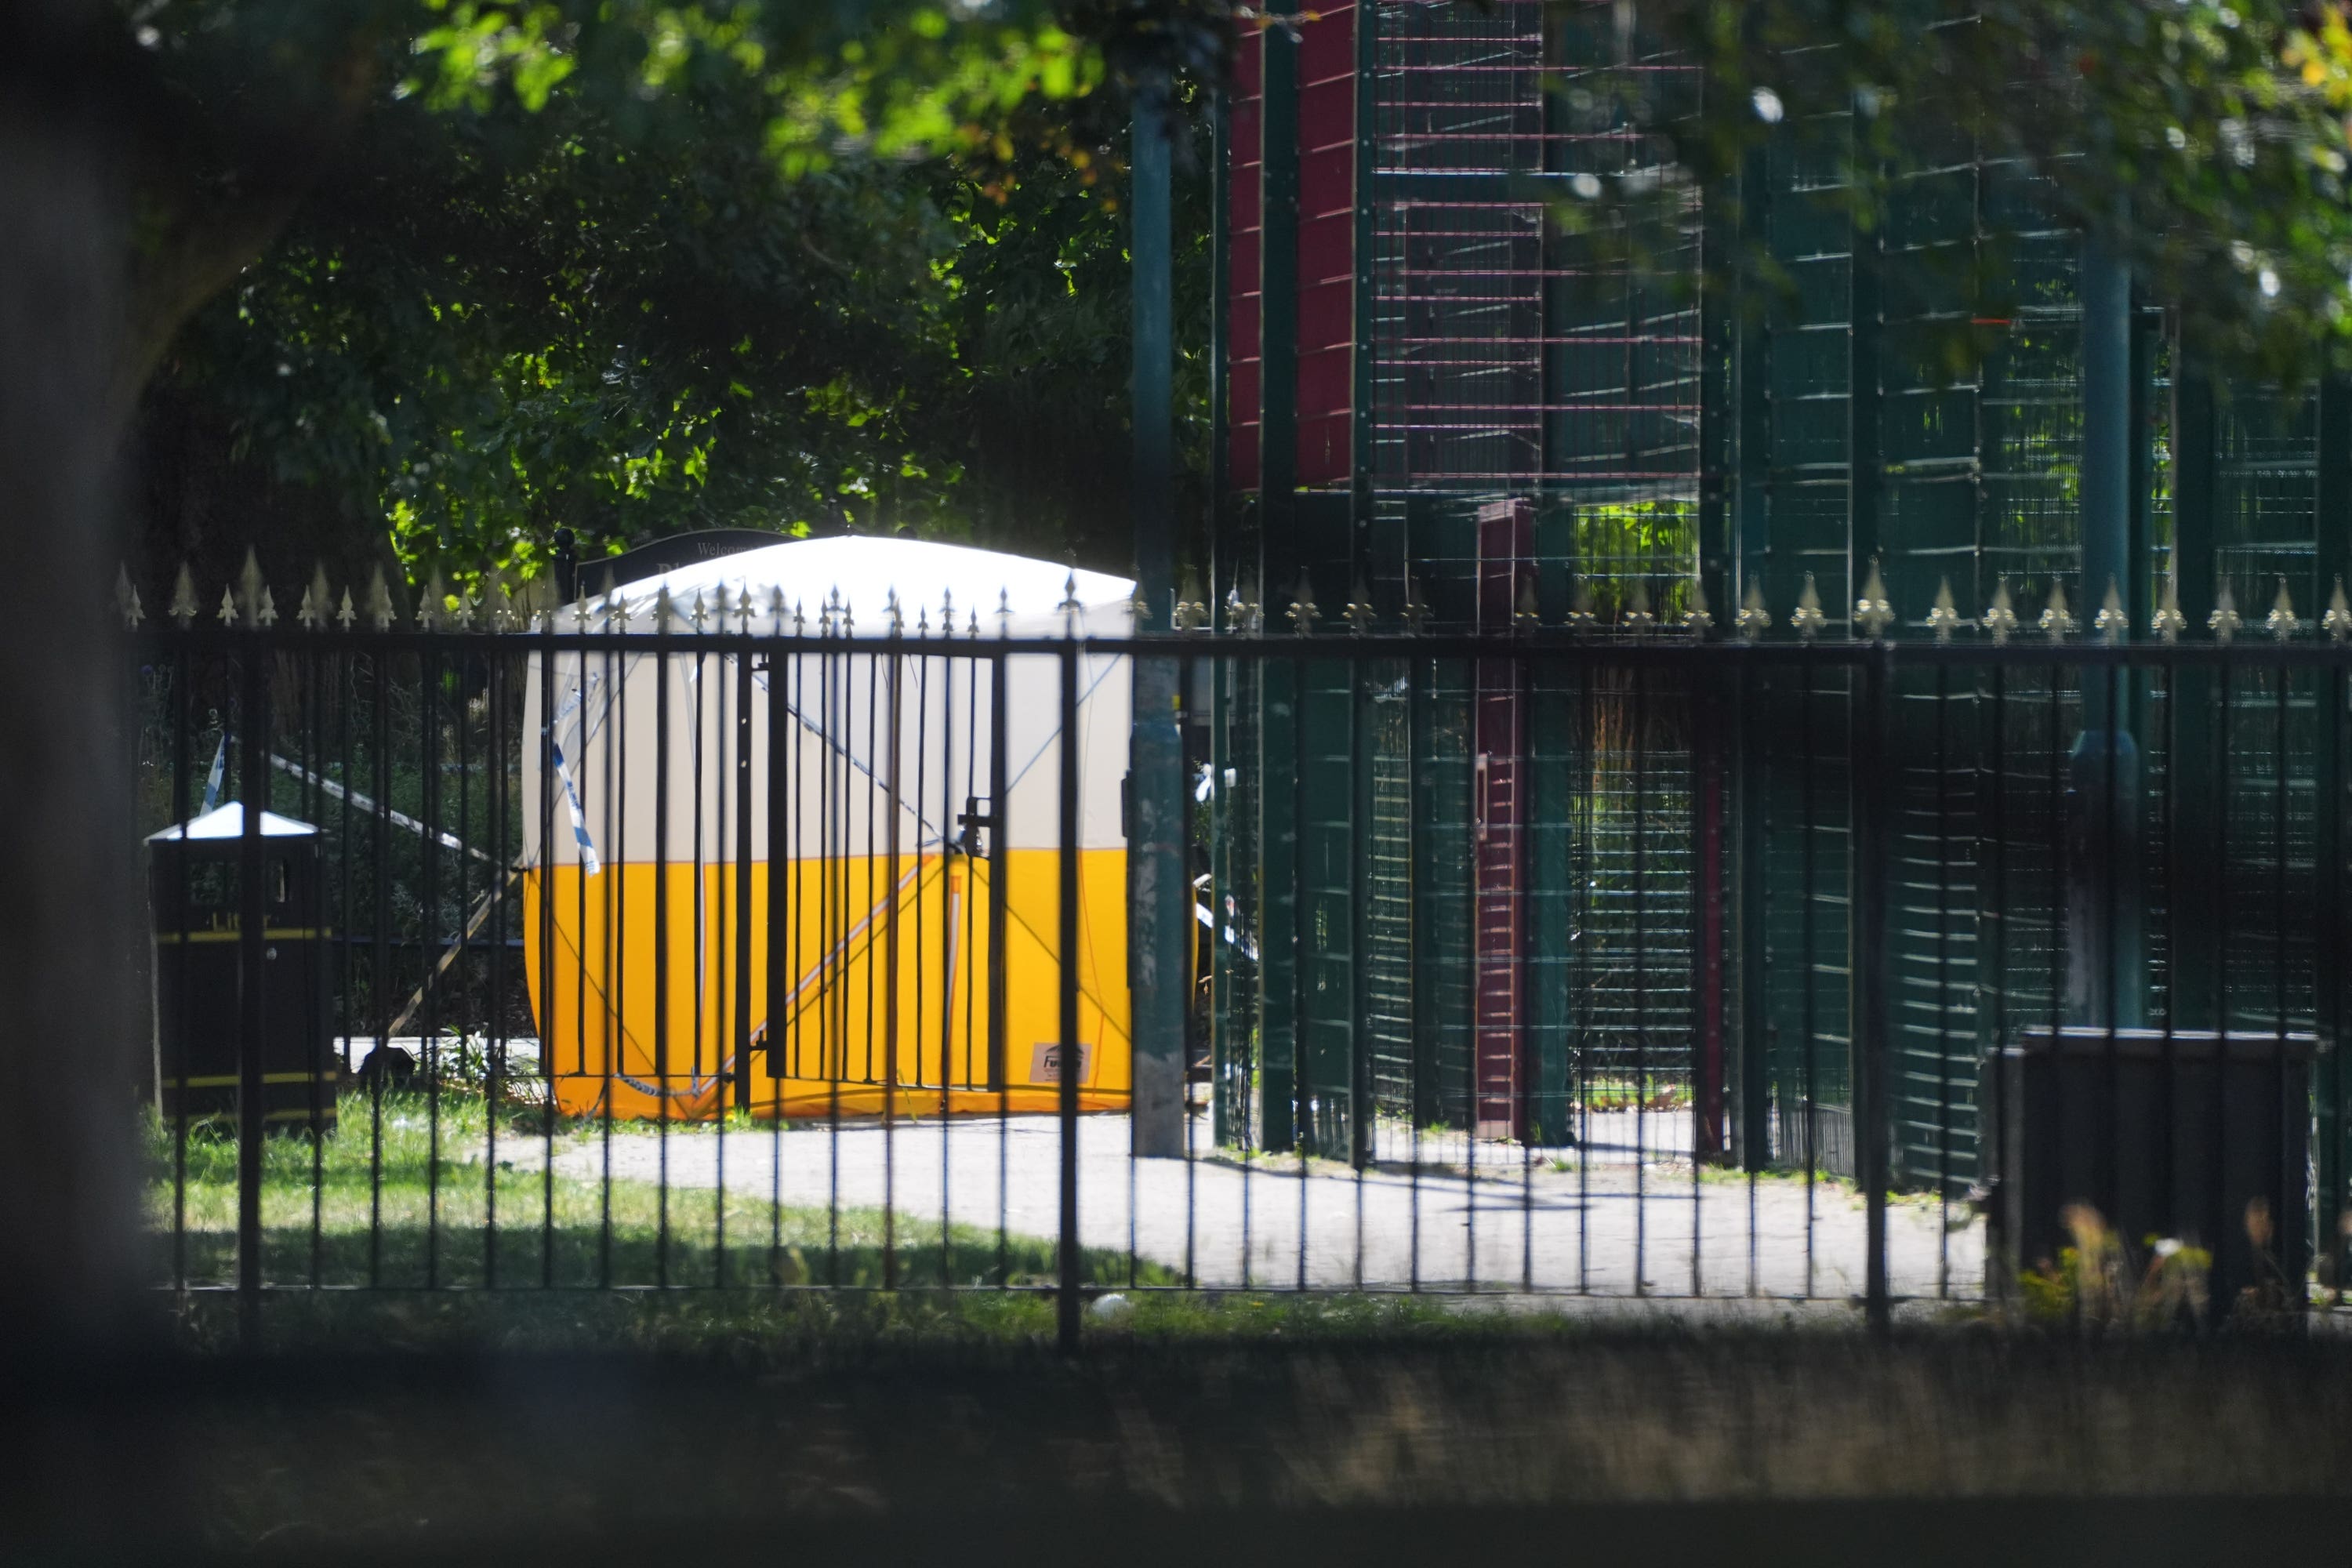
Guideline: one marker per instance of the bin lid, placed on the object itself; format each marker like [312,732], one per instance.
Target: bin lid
[228,822]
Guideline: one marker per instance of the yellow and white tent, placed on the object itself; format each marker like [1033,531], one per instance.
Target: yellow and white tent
[876,906]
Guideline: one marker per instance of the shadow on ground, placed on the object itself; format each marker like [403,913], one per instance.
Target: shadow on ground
[1668,1445]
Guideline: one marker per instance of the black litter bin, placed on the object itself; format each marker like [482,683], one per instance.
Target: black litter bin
[2164,1135]
[194,903]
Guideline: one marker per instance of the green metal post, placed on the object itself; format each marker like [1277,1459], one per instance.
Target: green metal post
[2333,539]
[1864,943]
[1717,694]
[2106,981]
[2195,982]
[1158,977]
[1280,682]
[1751,530]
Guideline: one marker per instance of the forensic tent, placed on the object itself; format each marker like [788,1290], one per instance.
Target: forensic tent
[800,846]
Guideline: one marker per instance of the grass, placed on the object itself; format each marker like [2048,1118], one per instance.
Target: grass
[416,1230]
[415,1237]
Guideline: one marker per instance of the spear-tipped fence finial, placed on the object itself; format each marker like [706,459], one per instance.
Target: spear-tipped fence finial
[1250,617]
[1416,611]
[2001,616]
[433,603]
[317,599]
[1527,612]
[250,587]
[1808,618]
[184,608]
[1581,618]
[1003,612]
[1753,620]
[2337,622]
[1874,612]
[227,611]
[2225,622]
[1638,618]
[378,600]
[346,614]
[1359,613]
[126,599]
[1303,613]
[501,600]
[2058,621]
[2169,623]
[2111,622]
[894,620]
[1699,619]
[2282,623]
[1943,617]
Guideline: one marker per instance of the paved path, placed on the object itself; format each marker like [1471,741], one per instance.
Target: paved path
[1520,1223]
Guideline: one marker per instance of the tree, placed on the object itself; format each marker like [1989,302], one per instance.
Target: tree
[2206,142]
[518,307]
[484,330]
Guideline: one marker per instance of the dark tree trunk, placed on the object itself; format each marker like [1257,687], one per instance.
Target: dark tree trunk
[69,926]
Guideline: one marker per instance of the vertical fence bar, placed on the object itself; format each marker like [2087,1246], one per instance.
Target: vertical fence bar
[317,1086]
[253,913]
[661,940]
[176,1071]
[428,929]
[616,917]
[1944,1004]
[1755,1014]
[1302,1086]
[494,761]
[1873,998]
[740,1035]
[1361,1129]
[2328,999]
[380,687]
[1808,980]
[549,1030]
[1067,984]
[1640,1030]
[1001,863]
[2217,890]
[895,802]
[788,808]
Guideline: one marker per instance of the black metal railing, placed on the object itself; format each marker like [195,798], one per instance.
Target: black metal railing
[730,951]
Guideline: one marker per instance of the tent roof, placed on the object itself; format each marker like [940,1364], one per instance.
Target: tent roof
[228,822]
[865,570]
